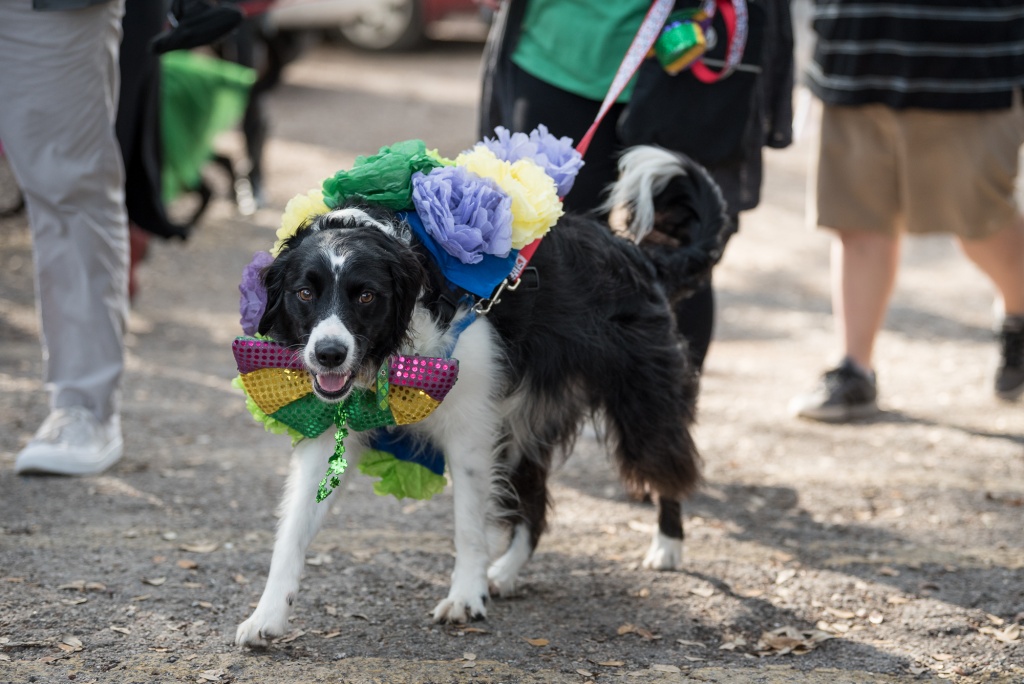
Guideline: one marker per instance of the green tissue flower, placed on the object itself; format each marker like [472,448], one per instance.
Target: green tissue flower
[384,178]
[402,479]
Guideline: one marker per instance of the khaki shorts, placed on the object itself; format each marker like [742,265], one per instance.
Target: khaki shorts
[919,171]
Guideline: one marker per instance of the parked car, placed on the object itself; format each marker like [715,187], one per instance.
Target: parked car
[384,25]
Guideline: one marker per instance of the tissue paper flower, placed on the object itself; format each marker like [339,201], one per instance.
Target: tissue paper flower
[556,156]
[297,212]
[467,215]
[254,294]
[384,178]
[535,204]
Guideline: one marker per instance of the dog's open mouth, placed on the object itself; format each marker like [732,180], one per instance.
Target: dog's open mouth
[332,386]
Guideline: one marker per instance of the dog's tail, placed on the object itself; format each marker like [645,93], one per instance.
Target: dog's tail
[670,204]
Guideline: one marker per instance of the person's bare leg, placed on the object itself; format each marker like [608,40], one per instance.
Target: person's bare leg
[1001,258]
[864,266]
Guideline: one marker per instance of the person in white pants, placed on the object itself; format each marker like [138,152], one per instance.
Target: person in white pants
[58,102]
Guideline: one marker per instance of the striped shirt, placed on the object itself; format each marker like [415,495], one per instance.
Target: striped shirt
[944,54]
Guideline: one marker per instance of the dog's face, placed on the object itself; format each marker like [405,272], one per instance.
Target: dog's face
[342,292]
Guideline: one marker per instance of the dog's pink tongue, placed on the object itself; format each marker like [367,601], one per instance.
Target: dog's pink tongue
[331,382]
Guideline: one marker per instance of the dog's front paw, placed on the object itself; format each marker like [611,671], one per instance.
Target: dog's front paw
[665,553]
[459,610]
[466,601]
[261,628]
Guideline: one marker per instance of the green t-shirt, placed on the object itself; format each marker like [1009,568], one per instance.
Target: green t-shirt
[577,45]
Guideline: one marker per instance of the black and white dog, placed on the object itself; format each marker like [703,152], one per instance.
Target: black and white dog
[594,335]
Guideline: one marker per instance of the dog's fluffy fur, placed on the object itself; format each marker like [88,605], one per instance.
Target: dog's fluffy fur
[595,336]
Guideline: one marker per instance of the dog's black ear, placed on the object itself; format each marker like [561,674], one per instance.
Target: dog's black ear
[273,276]
[273,280]
[409,278]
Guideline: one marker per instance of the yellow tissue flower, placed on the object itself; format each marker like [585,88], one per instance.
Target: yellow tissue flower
[535,204]
[299,209]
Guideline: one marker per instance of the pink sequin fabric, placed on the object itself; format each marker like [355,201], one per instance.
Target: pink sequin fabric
[435,376]
[252,354]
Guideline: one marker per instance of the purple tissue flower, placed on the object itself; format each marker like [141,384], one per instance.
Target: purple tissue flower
[254,294]
[469,216]
[556,156]
[510,146]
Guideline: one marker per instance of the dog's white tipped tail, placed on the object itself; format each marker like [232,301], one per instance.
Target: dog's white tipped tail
[644,172]
[668,192]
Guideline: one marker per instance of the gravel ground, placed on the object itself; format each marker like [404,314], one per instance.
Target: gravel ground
[890,550]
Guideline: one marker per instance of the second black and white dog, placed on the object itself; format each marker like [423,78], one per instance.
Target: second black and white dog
[594,335]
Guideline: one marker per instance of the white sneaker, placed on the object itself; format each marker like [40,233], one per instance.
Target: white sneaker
[71,441]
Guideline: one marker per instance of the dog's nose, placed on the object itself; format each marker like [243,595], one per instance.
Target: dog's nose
[331,354]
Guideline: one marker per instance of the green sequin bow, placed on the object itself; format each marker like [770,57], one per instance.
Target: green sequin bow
[407,390]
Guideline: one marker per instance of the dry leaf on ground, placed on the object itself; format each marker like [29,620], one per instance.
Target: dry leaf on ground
[790,640]
[82,585]
[288,638]
[833,627]
[630,628]
[538,642]
[698,644]
[732,643]
[200,547]
[70,644]
[704,591]
[785,575]
[1007,635]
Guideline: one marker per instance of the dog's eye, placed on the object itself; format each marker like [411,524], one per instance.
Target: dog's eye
[365,297]
[305,294]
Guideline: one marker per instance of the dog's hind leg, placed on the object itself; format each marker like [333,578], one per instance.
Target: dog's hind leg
[301,517]
[654,448]
[666,550]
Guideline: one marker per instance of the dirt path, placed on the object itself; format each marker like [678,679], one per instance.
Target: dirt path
[900,539]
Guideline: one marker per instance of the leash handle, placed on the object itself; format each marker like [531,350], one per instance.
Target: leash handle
[737,22]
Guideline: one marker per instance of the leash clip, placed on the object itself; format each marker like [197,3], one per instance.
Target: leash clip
[483,307]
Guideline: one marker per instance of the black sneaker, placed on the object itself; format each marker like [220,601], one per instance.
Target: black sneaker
[843,394]
[1010,376]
